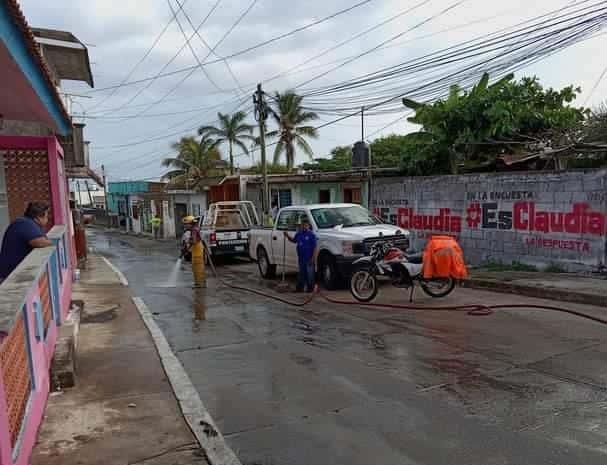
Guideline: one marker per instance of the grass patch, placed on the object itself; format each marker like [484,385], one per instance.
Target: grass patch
[493,265]
[555,268]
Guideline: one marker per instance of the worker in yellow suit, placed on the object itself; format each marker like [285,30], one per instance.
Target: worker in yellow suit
[197,250]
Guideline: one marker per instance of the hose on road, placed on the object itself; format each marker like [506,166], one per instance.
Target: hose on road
[470,309]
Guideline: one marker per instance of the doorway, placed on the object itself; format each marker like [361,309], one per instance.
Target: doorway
[352,195]
[324,196]
[181,210]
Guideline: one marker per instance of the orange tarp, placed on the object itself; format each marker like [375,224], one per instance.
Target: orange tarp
[443,258]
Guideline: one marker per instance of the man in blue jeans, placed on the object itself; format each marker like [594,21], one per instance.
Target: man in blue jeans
[307,250]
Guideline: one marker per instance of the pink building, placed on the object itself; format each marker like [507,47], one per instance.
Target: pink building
[35,298]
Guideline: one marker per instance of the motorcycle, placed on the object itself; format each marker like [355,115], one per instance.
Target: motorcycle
[403,270]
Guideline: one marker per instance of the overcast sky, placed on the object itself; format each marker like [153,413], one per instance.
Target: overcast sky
[119,32]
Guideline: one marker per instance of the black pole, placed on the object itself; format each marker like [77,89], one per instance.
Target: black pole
[362,124]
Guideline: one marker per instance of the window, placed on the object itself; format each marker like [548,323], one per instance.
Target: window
[324,196]
[326,218]
[289,220]
[229,220]
[281,197]
[195,209]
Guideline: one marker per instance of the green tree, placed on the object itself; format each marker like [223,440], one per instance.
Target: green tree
[292,131]
[195,161]
[231,130]
[508,116]
[340,159]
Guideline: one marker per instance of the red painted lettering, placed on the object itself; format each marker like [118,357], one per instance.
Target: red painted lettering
[455,224]
[596,223]
[542,223]
[521,210]
[556,222]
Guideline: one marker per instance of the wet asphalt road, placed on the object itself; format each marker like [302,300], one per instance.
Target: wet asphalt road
[334,384]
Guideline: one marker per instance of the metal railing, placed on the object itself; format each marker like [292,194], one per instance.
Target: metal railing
[34,300]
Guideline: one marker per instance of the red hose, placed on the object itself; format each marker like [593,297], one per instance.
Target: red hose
[554,309]
[470,309]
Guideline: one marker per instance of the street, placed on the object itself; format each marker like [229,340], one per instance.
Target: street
[334,384]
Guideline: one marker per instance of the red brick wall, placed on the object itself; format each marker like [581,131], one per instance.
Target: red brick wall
[27,180]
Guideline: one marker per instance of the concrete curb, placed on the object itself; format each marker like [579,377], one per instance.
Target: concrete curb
[121,277]
[194,411]
[534,291]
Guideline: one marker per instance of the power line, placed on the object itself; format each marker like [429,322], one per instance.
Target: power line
[296,69]
[415,65]
[192,51]
[219,42]
[151,80]
[594,87]
[163,136]
[206,44]
[141,60]
[580,29]
[240,52]
[397,36]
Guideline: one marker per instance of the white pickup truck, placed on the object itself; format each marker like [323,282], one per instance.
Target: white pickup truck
[345,232]
[225,228]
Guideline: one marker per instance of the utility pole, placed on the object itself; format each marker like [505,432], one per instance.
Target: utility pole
[79,195]
[107,213]
[86,184]
[261,115]
[370,170]
[104,188]
[362,124]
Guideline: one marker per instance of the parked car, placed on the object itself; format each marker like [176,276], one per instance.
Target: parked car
[345,232]
[225,228]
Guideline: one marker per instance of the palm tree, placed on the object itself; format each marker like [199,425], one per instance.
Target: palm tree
[232,130]
[290,117]
[195,161]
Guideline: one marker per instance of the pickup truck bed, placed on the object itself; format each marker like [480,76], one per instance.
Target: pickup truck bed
[225,228]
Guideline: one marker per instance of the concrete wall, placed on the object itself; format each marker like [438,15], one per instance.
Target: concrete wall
[539,218]
[36,299]
[196,203]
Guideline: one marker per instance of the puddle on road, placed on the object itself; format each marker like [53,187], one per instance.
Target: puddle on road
[199,308]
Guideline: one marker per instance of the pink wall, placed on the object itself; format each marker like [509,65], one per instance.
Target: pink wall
[39,396]
[5,439]
[56,171]
[41,351]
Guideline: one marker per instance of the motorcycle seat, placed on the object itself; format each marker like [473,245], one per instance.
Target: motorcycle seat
[415,258]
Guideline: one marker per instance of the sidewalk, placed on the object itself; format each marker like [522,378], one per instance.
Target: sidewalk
[567,287]
[122,410]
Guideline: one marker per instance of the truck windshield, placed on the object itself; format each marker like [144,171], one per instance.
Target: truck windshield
[326,218]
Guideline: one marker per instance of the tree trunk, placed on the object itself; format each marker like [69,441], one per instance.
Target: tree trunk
[231,159]
[453,161]
[290,156]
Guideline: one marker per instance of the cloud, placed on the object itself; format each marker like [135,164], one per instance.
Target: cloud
[122,30]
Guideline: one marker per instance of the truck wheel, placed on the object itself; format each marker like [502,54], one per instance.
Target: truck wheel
[266,269]
[327,269]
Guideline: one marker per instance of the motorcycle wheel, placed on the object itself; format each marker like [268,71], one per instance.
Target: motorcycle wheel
[438,287]
[363,285]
